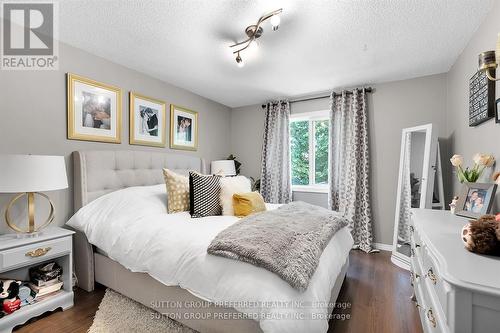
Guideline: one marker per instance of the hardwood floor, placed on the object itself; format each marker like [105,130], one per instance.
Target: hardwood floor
[379,294]
[77,319]
[375,296]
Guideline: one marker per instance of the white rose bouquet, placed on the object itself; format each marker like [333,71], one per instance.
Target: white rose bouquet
[471,175]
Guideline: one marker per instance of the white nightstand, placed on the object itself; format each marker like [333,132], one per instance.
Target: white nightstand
[19,252]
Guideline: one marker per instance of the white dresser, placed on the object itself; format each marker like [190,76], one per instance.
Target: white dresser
[455,290]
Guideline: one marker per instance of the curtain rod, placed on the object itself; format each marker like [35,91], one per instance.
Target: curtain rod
[368,90]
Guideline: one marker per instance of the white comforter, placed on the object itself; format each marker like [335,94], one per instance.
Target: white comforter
[133,228]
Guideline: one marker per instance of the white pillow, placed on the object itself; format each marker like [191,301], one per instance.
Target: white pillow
[230,186]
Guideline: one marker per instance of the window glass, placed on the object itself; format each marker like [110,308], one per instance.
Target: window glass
[299,147]
[321,152]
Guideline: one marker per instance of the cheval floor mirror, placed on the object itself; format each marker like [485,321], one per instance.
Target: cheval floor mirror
[420,185]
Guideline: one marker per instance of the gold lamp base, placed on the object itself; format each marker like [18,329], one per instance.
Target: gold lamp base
[31,213]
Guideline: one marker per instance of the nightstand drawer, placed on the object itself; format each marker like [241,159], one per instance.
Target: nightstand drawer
[25,255]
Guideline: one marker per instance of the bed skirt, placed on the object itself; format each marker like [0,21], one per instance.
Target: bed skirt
[144,289]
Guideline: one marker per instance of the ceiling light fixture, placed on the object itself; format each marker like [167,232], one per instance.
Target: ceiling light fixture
[255,31]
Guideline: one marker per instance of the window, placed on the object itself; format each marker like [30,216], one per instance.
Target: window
[309,151]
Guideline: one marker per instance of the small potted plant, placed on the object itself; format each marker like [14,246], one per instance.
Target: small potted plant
[471,175]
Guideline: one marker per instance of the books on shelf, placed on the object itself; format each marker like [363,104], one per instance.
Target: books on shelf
[47,289]
[47,296]
[42,283]
[45,278]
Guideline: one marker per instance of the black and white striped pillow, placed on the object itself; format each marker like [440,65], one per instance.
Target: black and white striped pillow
[204,195]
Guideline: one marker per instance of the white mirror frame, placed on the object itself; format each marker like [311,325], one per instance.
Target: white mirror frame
[427,184]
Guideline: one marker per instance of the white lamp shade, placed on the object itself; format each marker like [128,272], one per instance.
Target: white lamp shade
[223,167]
[32,173]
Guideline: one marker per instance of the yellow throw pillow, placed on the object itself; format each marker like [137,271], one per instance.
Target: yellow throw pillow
[245,204]
[177,191]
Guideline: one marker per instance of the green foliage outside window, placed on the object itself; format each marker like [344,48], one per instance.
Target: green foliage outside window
[321,152]
[299,139]
[299,134]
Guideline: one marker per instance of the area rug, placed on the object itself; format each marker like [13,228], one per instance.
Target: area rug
[118,313]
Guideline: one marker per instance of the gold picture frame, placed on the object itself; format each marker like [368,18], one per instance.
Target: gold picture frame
[183,128]
[94,110]
[147,119]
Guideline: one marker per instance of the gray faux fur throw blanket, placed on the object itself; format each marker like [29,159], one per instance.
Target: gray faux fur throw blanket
[287,241]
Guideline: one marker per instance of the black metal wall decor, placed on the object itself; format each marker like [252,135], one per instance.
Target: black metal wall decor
[481,99]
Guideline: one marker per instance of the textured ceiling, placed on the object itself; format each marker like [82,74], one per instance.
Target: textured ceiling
[320,44]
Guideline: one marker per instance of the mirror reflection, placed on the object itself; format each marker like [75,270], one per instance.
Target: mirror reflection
[411,185]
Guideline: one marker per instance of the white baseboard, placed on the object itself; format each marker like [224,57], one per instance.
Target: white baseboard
[382,246]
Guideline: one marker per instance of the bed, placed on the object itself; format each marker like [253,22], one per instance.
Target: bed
[203,292]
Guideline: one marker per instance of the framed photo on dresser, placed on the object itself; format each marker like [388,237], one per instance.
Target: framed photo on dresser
[94,110]
[476,199]
[183,128]
[147,121]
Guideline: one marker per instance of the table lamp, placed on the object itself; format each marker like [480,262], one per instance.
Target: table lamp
[29,175]
[223,167]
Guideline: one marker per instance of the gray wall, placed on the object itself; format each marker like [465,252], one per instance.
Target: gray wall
[247,130]
[33,114]
[33,120]
[463,139]
[392,107]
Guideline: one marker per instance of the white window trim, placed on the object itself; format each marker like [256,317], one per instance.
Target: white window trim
[311,117]
[310,188]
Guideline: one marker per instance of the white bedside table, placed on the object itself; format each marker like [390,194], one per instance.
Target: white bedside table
[19,252]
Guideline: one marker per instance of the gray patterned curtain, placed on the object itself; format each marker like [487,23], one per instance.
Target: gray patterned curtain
[350,164]
[276,184]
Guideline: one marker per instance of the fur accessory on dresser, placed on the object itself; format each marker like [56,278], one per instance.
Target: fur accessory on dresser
[483,235]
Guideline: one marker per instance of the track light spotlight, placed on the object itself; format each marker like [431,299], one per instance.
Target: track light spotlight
[275,22]
[239,61]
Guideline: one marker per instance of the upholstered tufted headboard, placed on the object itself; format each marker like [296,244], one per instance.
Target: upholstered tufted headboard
[99,172]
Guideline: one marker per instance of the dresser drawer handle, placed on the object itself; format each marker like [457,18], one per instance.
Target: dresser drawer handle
[417,245]
[38,252]
[430,316]
[432,276]
[412,229]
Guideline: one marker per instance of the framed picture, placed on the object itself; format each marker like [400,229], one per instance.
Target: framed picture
[183,128]
[497,116]
[148,124]
[94,110]
[475,199]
